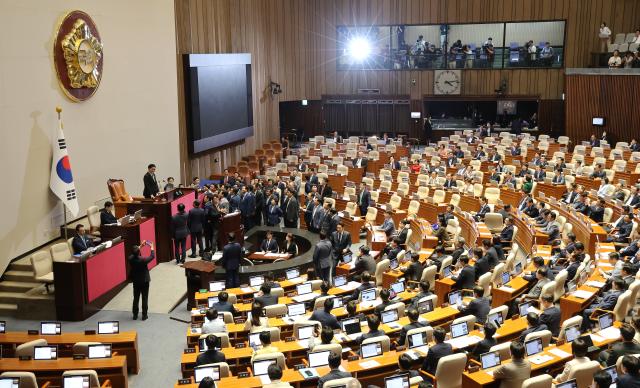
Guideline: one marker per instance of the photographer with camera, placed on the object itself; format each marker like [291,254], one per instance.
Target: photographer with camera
[139,273]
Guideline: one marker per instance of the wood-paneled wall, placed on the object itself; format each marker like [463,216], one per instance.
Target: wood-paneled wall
[615,98]
[292,42]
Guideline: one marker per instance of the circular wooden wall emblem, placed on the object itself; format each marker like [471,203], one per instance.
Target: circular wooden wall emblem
[78,56]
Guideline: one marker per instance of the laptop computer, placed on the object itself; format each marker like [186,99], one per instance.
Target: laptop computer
[517,269]
[254,340]
[425,306]
[372,349]
[417,340]
[571,333]
[568,384]
[505,278]
[47,352]
[3,327]
[317,359]
[305,292]
[256,281]
[339,281]
[212,300]
[605,321]
[397,287]
[351,326]
[446,271]
[612,371]
[108,327]
[212,371]
[533,346]
[260,367]
[389,316]
[296,309]
[459,329]
[490,359]
[50,328]
[455,297]
[292,273]
[496,319]
[368,295]
[393,264]
[523,308]
[216,286]
[397,381]
[99,351]
[305,332]
[347,258]
[76,381]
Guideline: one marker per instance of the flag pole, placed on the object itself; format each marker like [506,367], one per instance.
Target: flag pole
[64,206]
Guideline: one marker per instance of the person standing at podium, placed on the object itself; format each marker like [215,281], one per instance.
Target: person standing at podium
[179,232]
[151,188]
[139,274]
[195,223]
[230,261]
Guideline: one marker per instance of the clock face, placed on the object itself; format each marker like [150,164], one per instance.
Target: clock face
[447,82]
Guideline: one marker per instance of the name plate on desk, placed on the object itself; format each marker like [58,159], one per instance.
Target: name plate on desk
[189,350]
[79,357]
[25,358]
[89,332]
[242,375]
[184,381]
[240,345]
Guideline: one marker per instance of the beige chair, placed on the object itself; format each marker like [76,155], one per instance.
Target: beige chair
[27,379]
[503,349]
[494,222]
[83,347]
[549,288]
[484,281]
[445,263]
[492,194]
[455,200]
[382,267]
[93,215]
[429,275]
[385,186]
[449,371]
[279,357]
[414,207]
[226,316]
[351,208]
[94,382]
[573,321]
[496,278]
[395,201]
[372,214]
[383,339]
[319,302]
[42,266]
[438,197]
[224,368]
[400,306]
[348,382]
[336,348]
[544,335]
[331,202]
[469,319]
[403,177]
[26,349]
[560,279]
[622,306]
[423,192]
[275,310]
[542,381]
[583,373]
[60,252]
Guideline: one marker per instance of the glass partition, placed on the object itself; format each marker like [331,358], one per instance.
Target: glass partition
[452,46]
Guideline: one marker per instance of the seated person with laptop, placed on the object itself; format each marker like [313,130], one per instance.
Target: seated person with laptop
[335,360]
[324,315]
[373,321]
[514,373]
[437,351]
[211,355]
[413,316]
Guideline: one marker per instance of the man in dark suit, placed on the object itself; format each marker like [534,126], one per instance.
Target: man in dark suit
[291,211]
[269,244]
[413,316]
[302,166]
[606,302]
[550,314]
[482,264]
[373,321]
[364,262]
[466,279]
[361,161]
[479,153]
[450,182]
[507,232]
[364,198]
[211,355]
[228,179]
[539,174]
[325,317]
[437,351]
[627,347]
[106,215]
[195,223]
[630,378]
[247,207]
[265,297]
[322,260]
[230,261]
[405,226]
[335,359]
[224,305]
[484,209]
[340,242]
[414,269]
[624,230]
[487,342]
[81,242]
[634,197]
[365,284]
[533,325]
[594,141]
[179,233]
[150,182]
[139,275]
[479,306]
[596,211]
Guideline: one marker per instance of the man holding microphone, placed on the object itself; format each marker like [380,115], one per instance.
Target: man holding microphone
[139,273]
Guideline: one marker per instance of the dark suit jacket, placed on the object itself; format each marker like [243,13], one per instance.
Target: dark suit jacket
[210,357]
[466,279]
[572,269]
[226,307]
[322,254]
[551,318]
[484,209]
[402,236]
[196,220]
[334,374]
[481,266]
[365,263]
[267,300]
[529,330]
[291,210]
[326,191]
[138,270]
[150,186]
[450,183]
[291,248]
[326,319]
[479,307]
[107,218]
[406,328]
[483,346]
[269,246]
[414,271]
[621,349]
[81,243]
[179,228]
[360,288]
[507,233]
[364,199]
[532,211]
[363,163]
[339,244]
[248,204]
[436,352]
[231,256]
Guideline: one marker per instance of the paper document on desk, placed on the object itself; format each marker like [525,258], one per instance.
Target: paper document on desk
[394,325]
[271,254]
[305,297]
[582,294]
[489,372]
[354,336]
[603,264]
[369,364]
[247,289]
[610,333]
[264,379]
[596,284]
[349,286]
[422,350]
[304,344]
[596,338]
[559,352]
[463,342]
[506,289]
[541,359]
[297,280]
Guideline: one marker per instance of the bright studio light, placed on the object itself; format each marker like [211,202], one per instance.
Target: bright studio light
[359,49]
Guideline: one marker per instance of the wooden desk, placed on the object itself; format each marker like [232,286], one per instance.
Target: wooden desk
[124,343]
[353,225]
[376,239]
[442,288]
[550,190]
[262,256]
[501,296]
[198,274]
[84,286]
[132,234]
[114,369]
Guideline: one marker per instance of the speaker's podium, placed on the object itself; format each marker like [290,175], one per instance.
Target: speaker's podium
[199,274]
[162,208]
[230,223]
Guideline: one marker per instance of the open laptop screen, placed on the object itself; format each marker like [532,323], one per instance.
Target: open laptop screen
[490,359]
[317,359]
[397,381]
[372,349]
[212,371]
[78,381]
[109,327]
[533,347]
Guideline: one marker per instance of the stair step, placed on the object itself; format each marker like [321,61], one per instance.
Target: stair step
[19,276]
[12,297]
[14,286]
[8,309]
[23,264]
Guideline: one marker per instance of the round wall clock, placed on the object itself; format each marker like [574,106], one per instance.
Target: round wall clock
[78,56]
[447,82]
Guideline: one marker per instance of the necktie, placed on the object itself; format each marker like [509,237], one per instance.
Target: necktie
[339,237]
